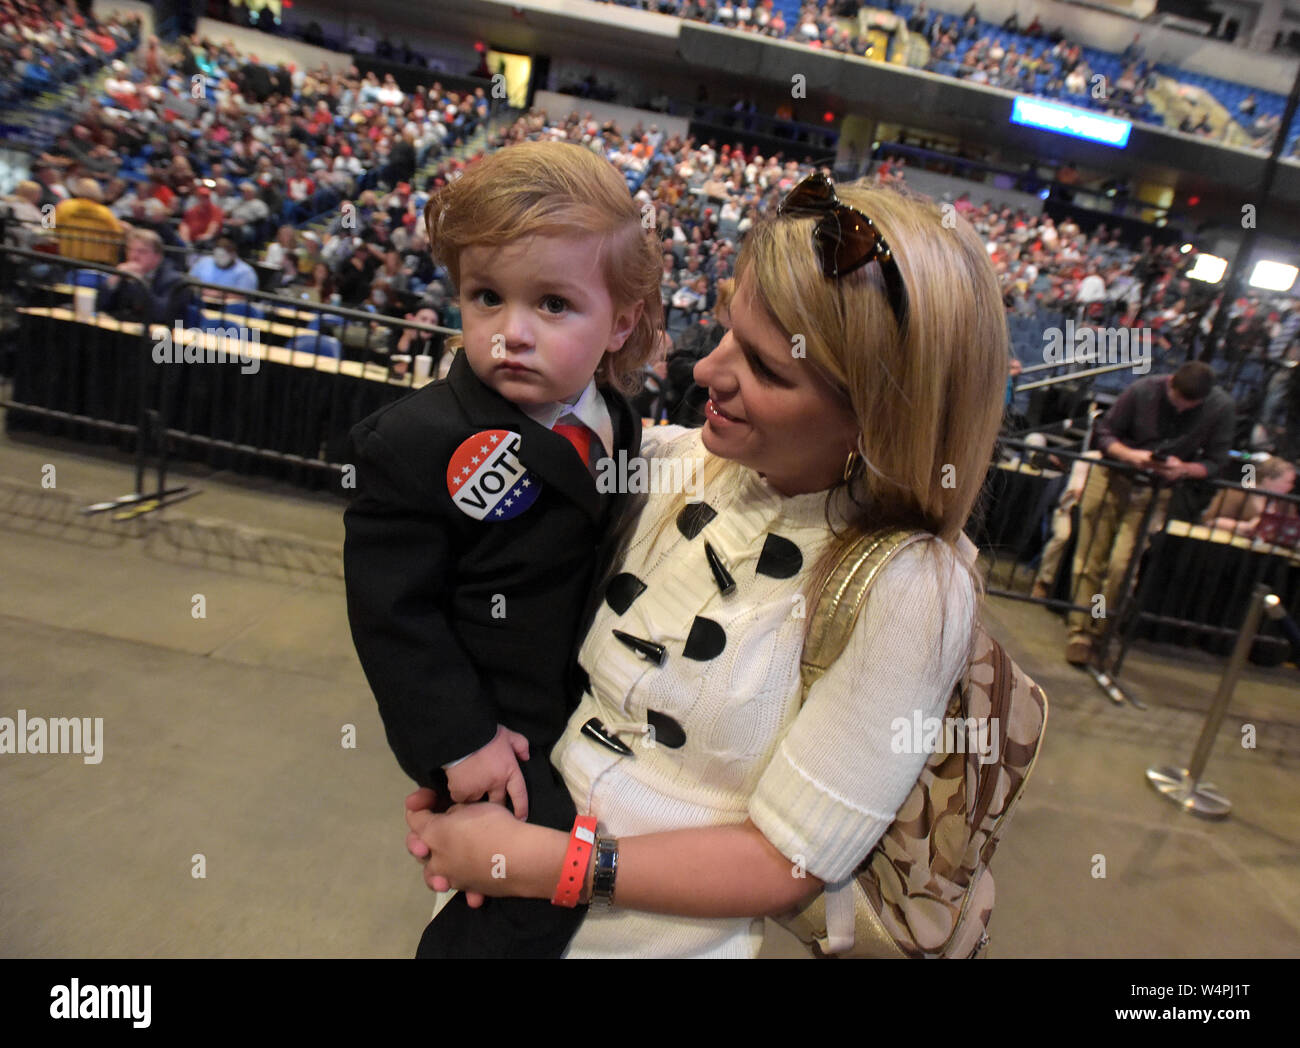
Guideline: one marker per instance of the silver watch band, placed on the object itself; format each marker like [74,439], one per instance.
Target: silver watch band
[602,881]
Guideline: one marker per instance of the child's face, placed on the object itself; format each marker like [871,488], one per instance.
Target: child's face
[537,317]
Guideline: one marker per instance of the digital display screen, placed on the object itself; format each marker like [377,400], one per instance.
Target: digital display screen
[512,72]
[1067,120]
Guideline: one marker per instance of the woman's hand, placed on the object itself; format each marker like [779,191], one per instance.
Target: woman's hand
[423,800]
[482,849]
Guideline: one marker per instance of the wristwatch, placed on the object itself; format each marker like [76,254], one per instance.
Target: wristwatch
[602,881]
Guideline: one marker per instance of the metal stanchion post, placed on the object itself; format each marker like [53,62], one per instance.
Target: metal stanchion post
[1183,786]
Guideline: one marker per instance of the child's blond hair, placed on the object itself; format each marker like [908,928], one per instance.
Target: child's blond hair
[558,188]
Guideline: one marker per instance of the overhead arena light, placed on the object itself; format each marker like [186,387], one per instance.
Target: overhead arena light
[1273,276]
[1185,249]
[1209,268]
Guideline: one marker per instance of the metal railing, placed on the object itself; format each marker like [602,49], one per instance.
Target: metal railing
[243,380]
[1125,556]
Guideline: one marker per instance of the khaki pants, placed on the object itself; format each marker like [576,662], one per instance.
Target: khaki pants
[1110,514]
[1051,558]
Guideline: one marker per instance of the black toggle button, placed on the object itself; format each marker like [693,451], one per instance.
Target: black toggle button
[693,518]
[667,732]
[705,641]
[647,649]
[780,558]
[594,729]
[720,574]
[622,590]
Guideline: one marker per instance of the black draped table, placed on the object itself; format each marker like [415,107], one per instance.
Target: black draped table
[296,406]
[1207,576]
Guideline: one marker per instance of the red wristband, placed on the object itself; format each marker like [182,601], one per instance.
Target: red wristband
[574,871]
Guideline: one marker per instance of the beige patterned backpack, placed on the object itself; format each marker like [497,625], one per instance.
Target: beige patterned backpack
[925,890]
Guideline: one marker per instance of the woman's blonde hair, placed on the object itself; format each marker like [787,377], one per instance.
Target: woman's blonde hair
[928,399]
[558,188]
[726,292]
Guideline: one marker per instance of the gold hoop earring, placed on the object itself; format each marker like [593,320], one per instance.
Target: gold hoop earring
[850,465]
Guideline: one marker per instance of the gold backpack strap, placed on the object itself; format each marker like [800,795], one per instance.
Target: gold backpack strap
[841,598]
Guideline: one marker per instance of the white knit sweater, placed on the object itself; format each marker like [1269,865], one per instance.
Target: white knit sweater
[822,784]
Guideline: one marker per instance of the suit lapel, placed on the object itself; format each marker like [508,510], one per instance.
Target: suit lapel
[547,454]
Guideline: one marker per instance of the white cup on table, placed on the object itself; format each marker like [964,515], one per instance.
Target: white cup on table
[83,303]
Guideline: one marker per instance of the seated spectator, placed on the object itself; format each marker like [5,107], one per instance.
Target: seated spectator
[202,222]
[357,273]
[246,217]
[320,287]
[300,187]
[158,296]
[282,255]
[225,268]
[88,231]
[49,173]
[394,273]
[120,88]
[1239,511]
[155,217]
[414,342]
[22,217]
[154,188]
[689,303]
[180,177]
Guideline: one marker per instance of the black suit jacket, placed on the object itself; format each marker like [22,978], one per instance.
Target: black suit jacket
[461,624]
[166,301]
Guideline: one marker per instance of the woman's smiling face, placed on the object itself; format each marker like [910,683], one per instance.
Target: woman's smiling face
[771,410]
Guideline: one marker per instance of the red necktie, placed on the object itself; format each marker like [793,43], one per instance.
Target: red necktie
[583,439]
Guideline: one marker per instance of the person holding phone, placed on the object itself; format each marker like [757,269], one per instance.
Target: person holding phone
[1171,428]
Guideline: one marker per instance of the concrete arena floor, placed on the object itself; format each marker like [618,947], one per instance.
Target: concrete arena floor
[222,739]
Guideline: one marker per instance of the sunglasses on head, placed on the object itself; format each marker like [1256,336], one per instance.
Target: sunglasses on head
[845,238]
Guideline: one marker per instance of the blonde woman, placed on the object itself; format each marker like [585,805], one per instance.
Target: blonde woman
[859,387]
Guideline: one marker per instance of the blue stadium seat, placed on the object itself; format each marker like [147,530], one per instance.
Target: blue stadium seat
[321,345]
[243,309]
[89,278]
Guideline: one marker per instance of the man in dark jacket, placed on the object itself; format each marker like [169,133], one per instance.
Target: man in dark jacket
[162,299]
[401,160]
[256,80]
[1171,427]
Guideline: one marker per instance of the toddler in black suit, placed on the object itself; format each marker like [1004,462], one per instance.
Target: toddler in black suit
[477,531]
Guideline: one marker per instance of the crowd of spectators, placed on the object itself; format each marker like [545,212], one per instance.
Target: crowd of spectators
[199,144]
[963,46]
[705,197]
[213,176]
[46,44]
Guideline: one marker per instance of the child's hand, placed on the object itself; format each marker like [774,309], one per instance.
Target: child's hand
[493,770]
[424,800]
